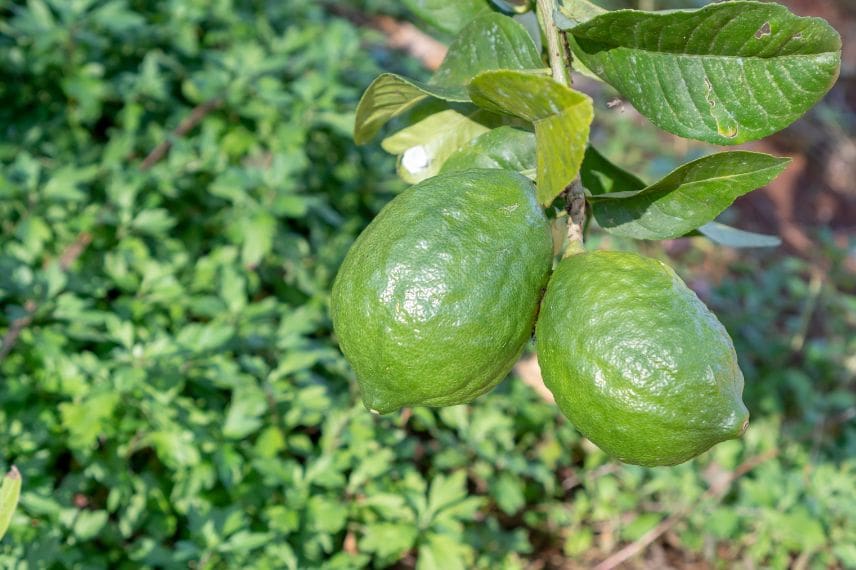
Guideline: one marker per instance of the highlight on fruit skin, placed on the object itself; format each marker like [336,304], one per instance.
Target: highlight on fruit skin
[437,298]
[636,361]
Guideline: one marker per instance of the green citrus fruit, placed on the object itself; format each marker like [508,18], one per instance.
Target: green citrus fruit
[437,297]
[636,361]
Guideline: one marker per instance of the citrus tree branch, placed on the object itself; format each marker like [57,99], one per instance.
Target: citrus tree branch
[556,49]
[560,66]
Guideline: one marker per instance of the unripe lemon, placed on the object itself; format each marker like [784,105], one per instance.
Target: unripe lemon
[636,361]
[437,298]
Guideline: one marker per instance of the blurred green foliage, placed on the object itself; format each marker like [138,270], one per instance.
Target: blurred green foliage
[175,398]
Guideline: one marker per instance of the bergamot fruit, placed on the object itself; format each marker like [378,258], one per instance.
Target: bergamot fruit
[636,361]
[437,297]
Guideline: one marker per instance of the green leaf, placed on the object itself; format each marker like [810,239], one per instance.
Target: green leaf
[388,96]
[726,74]
[733,237]
[447,15]
[259,230]
[87,524]
[576,13]
[388,541]
[507,491]
[10,492]
[687,198]
[504,148]
[491,41]
[424,147]
[600,176]
[441,552]
[561,117]
[86,420]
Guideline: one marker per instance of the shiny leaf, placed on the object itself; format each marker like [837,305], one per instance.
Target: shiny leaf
[726,74]
[504,148]
[687,198]
[561,117]
[424,147]
[447,15]
[491,41]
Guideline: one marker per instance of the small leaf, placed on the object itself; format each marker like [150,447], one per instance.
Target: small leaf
[561,117]
[425,146]
[503,148]
[441,552]
[491,41]
[388,540]
[733,237]
[726,74]
[687,198]
[10,492]
[447,15]
[388,96]
[259,230]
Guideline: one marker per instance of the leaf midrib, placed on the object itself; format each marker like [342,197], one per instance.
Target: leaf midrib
[707,55]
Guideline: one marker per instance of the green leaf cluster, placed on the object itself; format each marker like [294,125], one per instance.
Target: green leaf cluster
[725,74]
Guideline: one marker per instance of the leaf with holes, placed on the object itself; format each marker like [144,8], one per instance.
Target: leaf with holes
[561,117]
[726,74]
[490,41]
[687,198]
[504,148]
[423,148]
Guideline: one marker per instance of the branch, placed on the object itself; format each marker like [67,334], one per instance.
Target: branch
[185,126]
[558,55]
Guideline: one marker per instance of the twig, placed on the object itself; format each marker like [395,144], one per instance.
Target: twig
[16,327]
[185,126]
[66,259]
[714,492]
[558,55]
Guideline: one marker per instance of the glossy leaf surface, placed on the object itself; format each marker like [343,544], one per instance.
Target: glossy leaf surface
[687,198]
[561,117]
[726,74]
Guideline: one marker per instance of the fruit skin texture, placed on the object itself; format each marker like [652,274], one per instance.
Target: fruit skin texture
[636,361]
[437,298]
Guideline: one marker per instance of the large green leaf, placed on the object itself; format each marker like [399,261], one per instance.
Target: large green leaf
[490,41]
[687,198]
[504,148]
[726,74]
[10,491]
[447,15]
[561,117]
[600,176]
[424,147]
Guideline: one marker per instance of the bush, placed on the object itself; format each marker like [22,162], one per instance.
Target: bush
[174,398]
